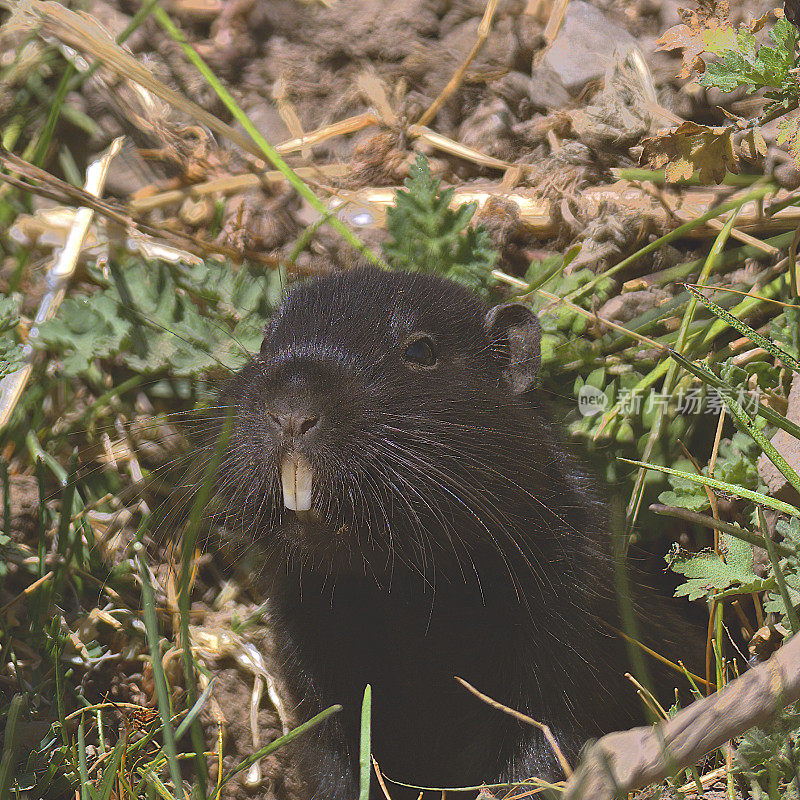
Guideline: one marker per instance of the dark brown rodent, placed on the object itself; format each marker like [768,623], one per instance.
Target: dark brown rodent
[450,533]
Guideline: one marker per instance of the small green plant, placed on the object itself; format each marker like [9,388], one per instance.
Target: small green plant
[153,317]
[736,463]
[790,569]
[769,757]
[426,235]
[746,63]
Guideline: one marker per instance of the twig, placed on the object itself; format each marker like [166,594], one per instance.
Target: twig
[712,498]
[679,668]
[42,183]
[344,126]
[379,776]
[26,591]
[226,186]
[12,385]
[795,287]
[458,76]
[709,522]
[448,145]
[523,718]
[627,760]
[554,21]
[705,780]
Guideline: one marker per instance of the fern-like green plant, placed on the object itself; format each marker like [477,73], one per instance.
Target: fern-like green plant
[10,349]
[426,235]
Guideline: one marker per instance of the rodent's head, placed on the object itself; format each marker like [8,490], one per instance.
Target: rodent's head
[381,419]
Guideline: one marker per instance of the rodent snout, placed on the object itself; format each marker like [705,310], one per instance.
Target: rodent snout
[294,424]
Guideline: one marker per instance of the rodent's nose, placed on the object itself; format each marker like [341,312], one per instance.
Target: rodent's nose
[295,425]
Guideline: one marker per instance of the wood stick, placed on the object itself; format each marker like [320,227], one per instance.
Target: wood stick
[624,761]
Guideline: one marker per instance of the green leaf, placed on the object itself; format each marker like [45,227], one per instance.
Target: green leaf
[188,321]
[754,66]
[708,573]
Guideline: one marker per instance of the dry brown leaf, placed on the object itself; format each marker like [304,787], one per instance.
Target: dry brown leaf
[691,148]
[753,144]
[707,29]
[788,135]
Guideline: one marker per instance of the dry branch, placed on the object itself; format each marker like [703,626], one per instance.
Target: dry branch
[37,181]
[537,213]
[627,760]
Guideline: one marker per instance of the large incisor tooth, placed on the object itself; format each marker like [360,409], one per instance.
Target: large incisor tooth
[297,479]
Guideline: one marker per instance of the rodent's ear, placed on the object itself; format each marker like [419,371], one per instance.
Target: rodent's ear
[516,341]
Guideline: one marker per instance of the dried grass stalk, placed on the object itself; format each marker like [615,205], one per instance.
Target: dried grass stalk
[12,386]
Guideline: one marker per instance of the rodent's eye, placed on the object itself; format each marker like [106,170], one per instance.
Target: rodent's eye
[420,352]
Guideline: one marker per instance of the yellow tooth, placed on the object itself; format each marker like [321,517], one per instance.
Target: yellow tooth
[297,480]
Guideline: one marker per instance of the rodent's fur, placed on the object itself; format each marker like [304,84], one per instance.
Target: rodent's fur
[454,536]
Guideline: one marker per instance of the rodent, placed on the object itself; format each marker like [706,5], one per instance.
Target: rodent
[416,516]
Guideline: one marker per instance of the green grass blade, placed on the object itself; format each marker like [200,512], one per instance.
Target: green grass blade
[364,754]
[780,579]
[155,782]
[267,149]
[194,711]
[189,544]
[58,649]
[765,444]
[738,491]
[6,495]
[659,177]
[110,771]
[86,789]
[67,500]
[162,691]
[10,745]
[568,258]
[754,336]
[278,743]
[710,379]
[701,343]
[670,377]
[46,135]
